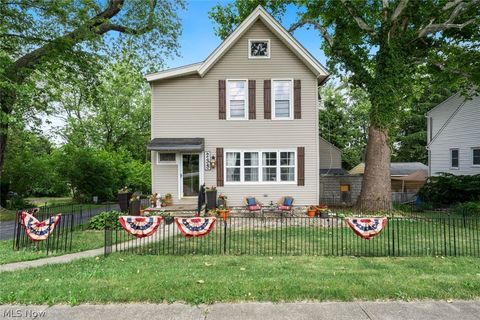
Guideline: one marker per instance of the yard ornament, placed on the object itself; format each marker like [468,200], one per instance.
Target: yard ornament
[140,227]
[367,228]
[39,230]
[196,226]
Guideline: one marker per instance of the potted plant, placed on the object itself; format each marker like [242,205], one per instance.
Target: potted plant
[123,197]
[211,197]
[312,211]
[222,201]
[168,199]
[167,217]
[153,200]
[224,213]
[322,210]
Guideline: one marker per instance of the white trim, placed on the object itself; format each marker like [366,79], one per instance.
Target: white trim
[451,158]
[260,167]
[258,40]
[228,99]
[273,98]
[165,163]
[175,72]
[471,156]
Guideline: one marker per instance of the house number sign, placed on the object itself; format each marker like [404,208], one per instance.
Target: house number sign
[208,159]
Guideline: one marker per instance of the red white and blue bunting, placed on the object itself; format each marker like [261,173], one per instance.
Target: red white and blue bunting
[39,230]
[140,227]
[367,228]
[196,226]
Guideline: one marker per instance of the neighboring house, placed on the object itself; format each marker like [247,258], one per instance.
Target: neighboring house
[453,136]
[405,176]
[330,158]
[244,120]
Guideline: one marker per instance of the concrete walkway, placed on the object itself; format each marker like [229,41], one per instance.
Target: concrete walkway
[425,310]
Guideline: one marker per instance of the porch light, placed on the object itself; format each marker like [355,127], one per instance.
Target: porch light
[213,162]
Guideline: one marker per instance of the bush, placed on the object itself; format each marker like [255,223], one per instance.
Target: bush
[471,208]
[99,221]
[448,189]
[17,203]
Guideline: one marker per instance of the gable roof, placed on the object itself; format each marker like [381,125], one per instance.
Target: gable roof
[396,168]
[259,13]
[331,144]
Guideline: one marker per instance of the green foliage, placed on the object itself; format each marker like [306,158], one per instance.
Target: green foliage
[470,208]
[100,221]
[16,203]
[448,189]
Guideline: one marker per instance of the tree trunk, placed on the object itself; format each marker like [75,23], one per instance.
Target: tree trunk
[376,185]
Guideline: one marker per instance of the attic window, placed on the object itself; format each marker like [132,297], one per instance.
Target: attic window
[259,48]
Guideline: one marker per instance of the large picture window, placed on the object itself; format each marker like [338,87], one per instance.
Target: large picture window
[260,166]
[237,95]
[282,99]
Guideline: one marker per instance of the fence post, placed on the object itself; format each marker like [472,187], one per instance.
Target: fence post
[16,231]
[224,236]
[108,237]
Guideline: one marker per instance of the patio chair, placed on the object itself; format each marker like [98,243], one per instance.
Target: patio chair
[285,204]
[252,204]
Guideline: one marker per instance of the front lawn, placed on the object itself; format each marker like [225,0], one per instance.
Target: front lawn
[81,241]
[207,279]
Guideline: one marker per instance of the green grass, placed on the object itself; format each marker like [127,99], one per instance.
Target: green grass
[50,201]
[207,279]
[7,215]
[81,241]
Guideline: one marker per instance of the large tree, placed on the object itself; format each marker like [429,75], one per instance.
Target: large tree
[383,45]
[38,38]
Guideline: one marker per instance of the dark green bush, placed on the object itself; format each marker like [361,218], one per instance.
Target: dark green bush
[16,203]
[471,208]
[448,189]
[99,221]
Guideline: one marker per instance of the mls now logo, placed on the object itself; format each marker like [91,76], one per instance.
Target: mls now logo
[19,313]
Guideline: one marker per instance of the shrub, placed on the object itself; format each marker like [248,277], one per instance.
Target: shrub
[99,221]
[471,208]
[17,203]
[448,189]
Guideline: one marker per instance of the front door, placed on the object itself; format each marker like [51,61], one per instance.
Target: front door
[190,174]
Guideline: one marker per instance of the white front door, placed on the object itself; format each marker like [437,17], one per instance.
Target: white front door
[190,178]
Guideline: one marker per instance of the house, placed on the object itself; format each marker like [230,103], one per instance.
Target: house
[244,120]
[453,136]
[330,158]
[405,176]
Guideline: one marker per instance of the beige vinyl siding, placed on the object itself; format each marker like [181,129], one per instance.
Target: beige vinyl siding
[165,177]
[188,107]
[330,156]
[463,133]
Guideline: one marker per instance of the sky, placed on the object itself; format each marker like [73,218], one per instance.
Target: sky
[198,37]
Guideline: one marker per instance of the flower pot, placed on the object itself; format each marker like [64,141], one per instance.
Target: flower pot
[168,201]
[211,199]
[311,213]
[123,200]
[224,214]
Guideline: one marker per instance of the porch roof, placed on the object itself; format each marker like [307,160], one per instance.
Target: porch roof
[176,144]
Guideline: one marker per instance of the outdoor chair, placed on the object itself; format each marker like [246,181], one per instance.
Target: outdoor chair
[253,205]
[285,204]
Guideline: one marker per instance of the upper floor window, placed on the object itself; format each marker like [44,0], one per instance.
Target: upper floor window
[454,157]
[258,49]
[237,99]
[476,156]
[282,99]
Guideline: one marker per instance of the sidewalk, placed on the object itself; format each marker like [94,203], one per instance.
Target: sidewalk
[425,310]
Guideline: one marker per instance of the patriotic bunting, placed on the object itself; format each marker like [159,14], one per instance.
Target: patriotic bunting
[367,228]
[38,230]
[196,226]
[140,227]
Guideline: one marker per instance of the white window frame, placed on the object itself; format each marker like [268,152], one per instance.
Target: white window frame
[166,163]
[451,158]
[272,86]
[228,99]
[475,165]
[258,40]
[243,166]
[260,166]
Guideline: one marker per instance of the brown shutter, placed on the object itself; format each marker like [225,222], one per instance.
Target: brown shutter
[267,100]
[251,99]
[301,166]
[222,100]
[297,99]
[219,167]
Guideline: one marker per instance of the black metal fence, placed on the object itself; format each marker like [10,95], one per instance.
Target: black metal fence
[74,219]
[439,236]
